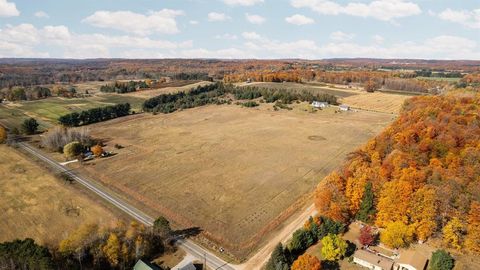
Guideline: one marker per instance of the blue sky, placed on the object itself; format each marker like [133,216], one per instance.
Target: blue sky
[312,29]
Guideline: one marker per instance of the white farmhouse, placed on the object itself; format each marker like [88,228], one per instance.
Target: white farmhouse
[371,260]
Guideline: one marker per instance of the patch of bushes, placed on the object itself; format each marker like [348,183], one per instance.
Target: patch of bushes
[56,138]
[250,104]
[95,115]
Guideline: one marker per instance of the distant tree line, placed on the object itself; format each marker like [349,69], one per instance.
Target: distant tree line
[95,115]
[21,93]
[429,73]
[197,76]
[120,87]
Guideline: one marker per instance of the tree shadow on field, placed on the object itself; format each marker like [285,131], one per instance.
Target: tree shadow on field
[189,232]
[330,265]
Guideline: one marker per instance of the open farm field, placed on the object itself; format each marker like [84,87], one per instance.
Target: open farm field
[234,172]
[377,101]
[35,204]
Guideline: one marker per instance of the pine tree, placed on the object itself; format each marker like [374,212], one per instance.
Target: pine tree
[367,207]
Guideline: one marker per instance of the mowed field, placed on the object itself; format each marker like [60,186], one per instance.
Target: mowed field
[35,204]
[229,170]
[377,101]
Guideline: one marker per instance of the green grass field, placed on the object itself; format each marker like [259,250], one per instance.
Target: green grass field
[47,111]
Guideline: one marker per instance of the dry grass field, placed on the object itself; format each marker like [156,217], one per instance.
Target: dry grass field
[232,171]
[377,101]
[35,204]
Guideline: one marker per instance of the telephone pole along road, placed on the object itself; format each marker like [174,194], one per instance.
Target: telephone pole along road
[189,246]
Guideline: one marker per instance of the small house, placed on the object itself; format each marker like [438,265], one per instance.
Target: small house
[320,104]
[371,260]
[411,260]
[344,107]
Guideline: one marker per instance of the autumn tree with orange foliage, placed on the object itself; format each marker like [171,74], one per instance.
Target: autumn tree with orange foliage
[97,150]
[330,200]
[423,169]
[306,262]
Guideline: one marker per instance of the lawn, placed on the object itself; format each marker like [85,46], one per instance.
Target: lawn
[35,204]
[229,170]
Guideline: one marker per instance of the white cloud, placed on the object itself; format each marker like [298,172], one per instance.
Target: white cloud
[41,14]
[242,2]
[193,22]
[24,40]
[468,18]
[254,19]
[8,9]
[341,36]
[299,19]
[378,39]
[162,21]
[217,17]
[227,36]
[385,10]
[251,35]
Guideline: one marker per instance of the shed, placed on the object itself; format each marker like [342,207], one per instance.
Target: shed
[344,107]
[371,260]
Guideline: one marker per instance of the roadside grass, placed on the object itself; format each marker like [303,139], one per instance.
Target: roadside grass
[36,204]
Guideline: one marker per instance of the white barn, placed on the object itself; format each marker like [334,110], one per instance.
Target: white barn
[344,107]
[320,104]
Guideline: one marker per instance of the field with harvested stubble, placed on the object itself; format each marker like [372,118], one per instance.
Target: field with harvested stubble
[230,170]
[34,204]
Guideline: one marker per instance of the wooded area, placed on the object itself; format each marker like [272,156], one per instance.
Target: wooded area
[417,178]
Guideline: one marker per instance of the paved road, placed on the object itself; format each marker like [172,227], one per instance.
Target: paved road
[189,246]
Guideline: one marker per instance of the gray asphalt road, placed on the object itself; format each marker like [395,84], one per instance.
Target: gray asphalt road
[189,246]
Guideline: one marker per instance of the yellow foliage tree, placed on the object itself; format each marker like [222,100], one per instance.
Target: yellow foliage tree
[423,211]
[112,249]
[453,233]
[355,188]
[393,203]
[472,240]
[333,247]
[3,135]
[397,235]
[306,262]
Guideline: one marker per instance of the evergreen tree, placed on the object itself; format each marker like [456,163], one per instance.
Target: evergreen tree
[441,260]
[278,260]
[30,126]
[367,207]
